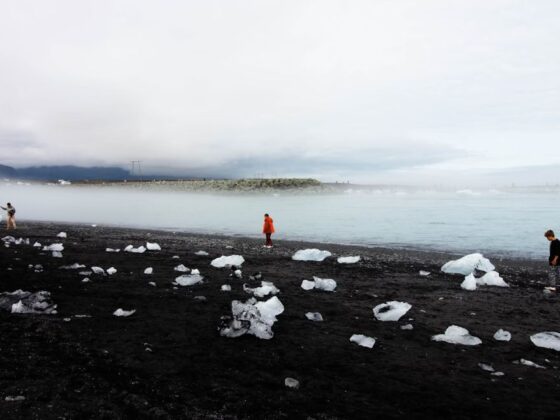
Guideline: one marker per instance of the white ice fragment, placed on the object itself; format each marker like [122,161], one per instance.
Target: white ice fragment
[311,255]
[266,288]
[391,311]
[195,271]
[314,316]
[112,250]
[468,264]
[181,268]
[328,285]
[122,312]
[238,274]
[63,182]
[149,270]
[188,279]
[74,266]
[61,235]
[54,247]
[175,257]
[85,280]
[407,327]
[252,317]
[291,383]
[111,271]
[363,340]
[457,335]
[201,253]
[547,340]
[486,367]
[97,270]
[152,246]
[231,260]
[469,283]
[528,363]
[37,245]
[497,374]
[57,254]
[492,278]
[424,273]
[16,398]
[307,285]
[85,273]
[502,335]
[152,284]
[348,260]
[225,288]
[139,250]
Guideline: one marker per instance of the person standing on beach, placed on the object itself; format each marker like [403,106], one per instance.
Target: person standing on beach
[553,259]
[268,229]
[11,210]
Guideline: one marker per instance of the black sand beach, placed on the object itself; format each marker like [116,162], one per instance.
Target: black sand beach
[169,361]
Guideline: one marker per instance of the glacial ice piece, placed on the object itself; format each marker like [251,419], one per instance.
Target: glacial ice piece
[314,316]
[201,253]
[188,279]
[457,335]
[97,270]
[547,340]
[528,363]
[228,261]
[122,312]
[152,283]
[348,260]
[23,302]
[407,327]
[17,398]
[74,266]
[112,250]
[149,270]
[307,285]
[152,246]
[86,280]
[37,245]
[486,367]
[252,317]
[139,250]
[468,264]
[363,340]
[237,273]
[491,278]
[469,283]
[111,271]
[181,268]
[424,273]
[312,254]
[502,335]
[195,271]
[391,311]
[54,247]
[328,285]
[57,254]
[225,288]
[266,288]
[291,383]
[61,235]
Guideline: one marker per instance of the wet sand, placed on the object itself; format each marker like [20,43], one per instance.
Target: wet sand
[99,366]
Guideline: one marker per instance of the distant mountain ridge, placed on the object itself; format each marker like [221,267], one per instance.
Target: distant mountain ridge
[67,172]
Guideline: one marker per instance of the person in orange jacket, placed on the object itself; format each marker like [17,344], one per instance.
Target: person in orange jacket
[268,229]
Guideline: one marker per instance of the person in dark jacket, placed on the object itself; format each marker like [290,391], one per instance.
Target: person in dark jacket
[553,259]
[268,229]
[11,216]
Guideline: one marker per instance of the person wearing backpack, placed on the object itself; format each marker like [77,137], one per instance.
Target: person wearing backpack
[11,221]
[268,229]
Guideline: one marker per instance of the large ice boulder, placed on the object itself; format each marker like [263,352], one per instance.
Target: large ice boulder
[228,261]
[391,311]
[188,279]
[313,254]
[492,278]
[252,317]
[153,246]
[547,340]
[23,302]
[468,265]
[469,283]
[457,335]
[327,285]
[266,288]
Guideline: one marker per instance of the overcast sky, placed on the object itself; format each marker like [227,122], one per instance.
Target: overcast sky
[463,91]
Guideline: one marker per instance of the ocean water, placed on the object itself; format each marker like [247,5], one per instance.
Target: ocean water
[495,222]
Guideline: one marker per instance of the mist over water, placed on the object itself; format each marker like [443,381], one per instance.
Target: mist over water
[494,222]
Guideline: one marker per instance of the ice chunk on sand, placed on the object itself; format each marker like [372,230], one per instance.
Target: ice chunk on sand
[547,340]
[74,266]
[328,285]
[266,288]
[195,271]
[528,363]
[149,270]
[152,284]
[424,273]
[37,245]
[457,335]
[152,246]
[225,288]
[502,335]
[252,317]
[112,250]
[97,270]
[230,260]
[492,278]
[181,268]
[27,303]
[313,254]
[406,327]
[86,280]
[111,271]
[468,264]
[314,316]
[188,279]
[238,274]
[54,247]
[139,250]
[291,383]
[363,340]
[16,398]
[57,254]
[122,312]
[348,260]
[61,235]
[486,367]
[391,311]
[201,253]
[469,283]
[307,285]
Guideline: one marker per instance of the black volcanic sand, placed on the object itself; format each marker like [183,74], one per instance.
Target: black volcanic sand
[99,367]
